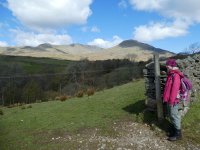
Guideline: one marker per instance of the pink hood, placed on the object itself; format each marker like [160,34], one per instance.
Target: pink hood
[172,87]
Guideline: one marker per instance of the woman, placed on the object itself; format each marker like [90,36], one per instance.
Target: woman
[172,98]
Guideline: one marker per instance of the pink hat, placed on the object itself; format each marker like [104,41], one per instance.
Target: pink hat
[171,62]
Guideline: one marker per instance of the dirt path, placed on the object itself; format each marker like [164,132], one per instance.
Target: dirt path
[125,136]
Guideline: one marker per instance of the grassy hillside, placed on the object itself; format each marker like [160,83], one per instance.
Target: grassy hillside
[10,65]
[33,128]
[22,128]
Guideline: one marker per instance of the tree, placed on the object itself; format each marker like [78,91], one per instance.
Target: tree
[193,48]
[131,57]
[32,92]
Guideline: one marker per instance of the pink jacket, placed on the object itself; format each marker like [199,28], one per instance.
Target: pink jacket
[172,87]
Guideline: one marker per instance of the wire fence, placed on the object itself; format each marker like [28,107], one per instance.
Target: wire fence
[25,89]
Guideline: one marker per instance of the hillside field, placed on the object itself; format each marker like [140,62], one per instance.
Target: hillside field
[45,125]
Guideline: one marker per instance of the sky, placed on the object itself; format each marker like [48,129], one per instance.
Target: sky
[168,24]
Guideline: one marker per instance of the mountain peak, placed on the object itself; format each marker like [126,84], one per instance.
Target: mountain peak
[45,45]
[143,46]
[132,43]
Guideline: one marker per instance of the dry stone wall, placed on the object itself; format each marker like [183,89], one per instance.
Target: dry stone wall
[190,66]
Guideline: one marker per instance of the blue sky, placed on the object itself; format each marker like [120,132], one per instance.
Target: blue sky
[168,24]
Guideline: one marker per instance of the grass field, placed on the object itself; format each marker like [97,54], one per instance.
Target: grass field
[30,65]
[33,128]
[22,128]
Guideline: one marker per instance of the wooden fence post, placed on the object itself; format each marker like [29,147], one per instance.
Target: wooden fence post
[158,89]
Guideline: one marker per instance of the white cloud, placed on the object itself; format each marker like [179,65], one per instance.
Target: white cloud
[95,29]
[122,4]
[106,44]
[146,4]
[181,13]
[176,9]
[3,44]
[156,31]
[50,13]
[32,39]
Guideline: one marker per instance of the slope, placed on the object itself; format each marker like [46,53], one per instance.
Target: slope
[106,120]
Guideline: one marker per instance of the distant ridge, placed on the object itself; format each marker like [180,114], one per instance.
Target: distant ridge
[128,49]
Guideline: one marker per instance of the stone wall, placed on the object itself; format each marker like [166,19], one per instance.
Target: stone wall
[190,66]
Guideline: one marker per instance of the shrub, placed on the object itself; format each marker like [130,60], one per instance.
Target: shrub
[1,112]
[29,106]
[20,104]
[63,98]
[80,93]
[23,107]
[90,91]
[38,101]
[57,98]
[10,106]
[15,105]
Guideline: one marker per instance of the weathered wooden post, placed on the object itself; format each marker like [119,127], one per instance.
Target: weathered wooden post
[158,88]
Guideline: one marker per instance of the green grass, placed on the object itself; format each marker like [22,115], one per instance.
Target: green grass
[33,128]
[22,128]
[191,123]
[31,65]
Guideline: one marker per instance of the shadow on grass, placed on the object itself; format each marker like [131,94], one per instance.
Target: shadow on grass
[143,115]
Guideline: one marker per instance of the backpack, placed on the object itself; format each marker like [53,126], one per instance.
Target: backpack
[186,87]
[184,95]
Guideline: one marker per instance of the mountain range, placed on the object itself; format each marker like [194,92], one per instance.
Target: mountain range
[128,49]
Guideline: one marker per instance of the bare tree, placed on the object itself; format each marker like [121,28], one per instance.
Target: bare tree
[131,57]
[193,48]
